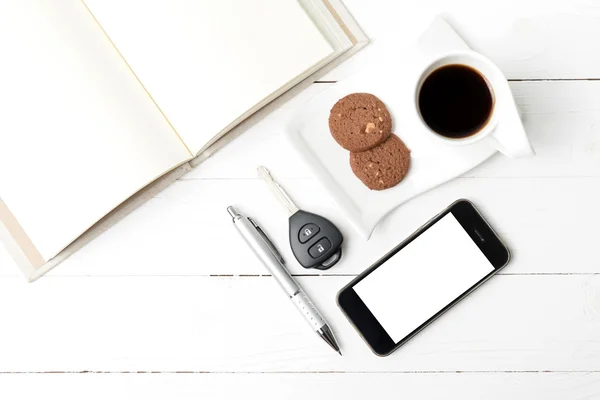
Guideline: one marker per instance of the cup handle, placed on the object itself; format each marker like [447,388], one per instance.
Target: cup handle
[509,135]
[510,142]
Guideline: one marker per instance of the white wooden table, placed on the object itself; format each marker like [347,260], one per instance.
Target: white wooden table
[169,304]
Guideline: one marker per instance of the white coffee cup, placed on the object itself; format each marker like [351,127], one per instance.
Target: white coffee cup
[511,143]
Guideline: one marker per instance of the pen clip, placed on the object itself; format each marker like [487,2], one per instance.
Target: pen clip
[267,241]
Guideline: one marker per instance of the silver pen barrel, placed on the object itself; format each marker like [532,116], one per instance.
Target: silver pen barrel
[256,242]
[272,260]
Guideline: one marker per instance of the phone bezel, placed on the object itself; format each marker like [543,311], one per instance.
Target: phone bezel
[480,232]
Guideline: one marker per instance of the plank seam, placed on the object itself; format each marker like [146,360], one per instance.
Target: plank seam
[511,80]
[294,275]
[304,372]
[307,178]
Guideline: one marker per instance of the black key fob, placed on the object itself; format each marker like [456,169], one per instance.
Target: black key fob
[315,242]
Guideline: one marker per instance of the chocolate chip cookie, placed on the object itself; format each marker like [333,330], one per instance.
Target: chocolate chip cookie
[384,166]
[360,121]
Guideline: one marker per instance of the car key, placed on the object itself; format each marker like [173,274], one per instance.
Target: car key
[315,241]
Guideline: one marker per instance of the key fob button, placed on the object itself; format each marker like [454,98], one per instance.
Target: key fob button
[308,253]
[319,248]
[307,232]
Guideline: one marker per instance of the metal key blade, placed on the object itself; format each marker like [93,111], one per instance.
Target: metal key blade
[278,191]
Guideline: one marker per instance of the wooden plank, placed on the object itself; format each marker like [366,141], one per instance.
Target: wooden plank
[202,324]
[466,386]
[561,119]
[547,223]
[528,39]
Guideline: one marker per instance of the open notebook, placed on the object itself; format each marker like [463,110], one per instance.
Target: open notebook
[105,102]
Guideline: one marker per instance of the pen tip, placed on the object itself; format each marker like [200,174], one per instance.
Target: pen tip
[339,351]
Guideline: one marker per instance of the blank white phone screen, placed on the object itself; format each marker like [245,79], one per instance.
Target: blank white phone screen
[422,278]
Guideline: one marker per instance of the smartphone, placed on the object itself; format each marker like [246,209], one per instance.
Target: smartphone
[423,277]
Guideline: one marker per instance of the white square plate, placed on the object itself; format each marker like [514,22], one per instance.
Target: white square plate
[433,162]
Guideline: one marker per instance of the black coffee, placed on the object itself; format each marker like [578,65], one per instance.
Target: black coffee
[455,101]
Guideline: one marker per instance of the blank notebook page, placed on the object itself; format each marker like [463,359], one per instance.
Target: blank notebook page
[207,62]
[78,133]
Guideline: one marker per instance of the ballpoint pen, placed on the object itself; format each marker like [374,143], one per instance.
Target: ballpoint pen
[264,249]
